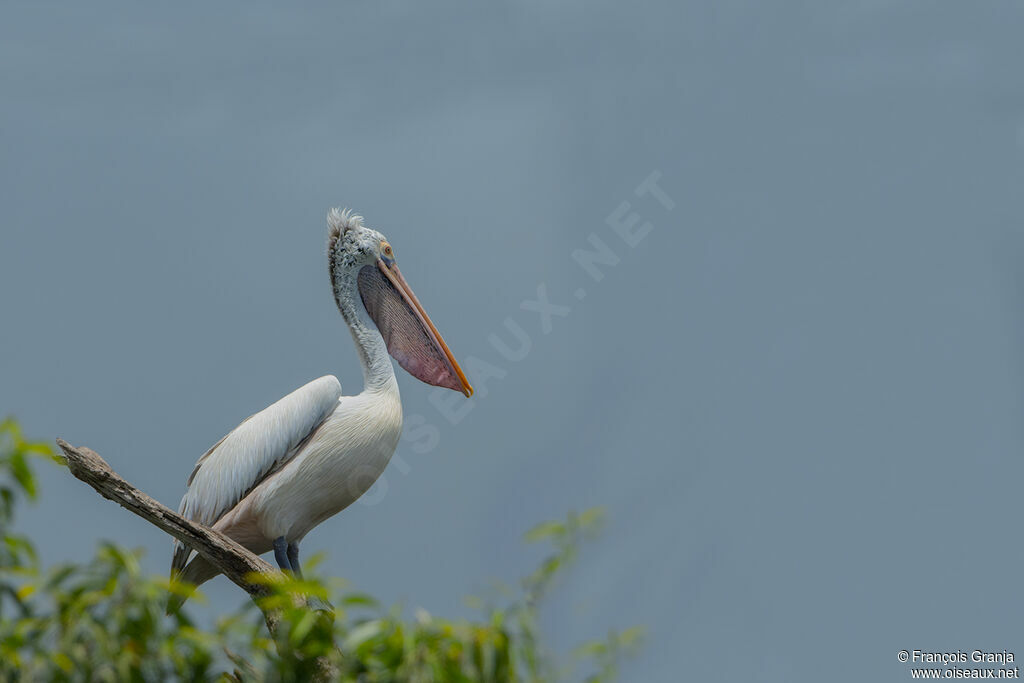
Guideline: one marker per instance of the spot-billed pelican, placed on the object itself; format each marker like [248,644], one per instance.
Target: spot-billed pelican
[305,458]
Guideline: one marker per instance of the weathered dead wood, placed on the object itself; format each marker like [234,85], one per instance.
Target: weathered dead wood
[234,561]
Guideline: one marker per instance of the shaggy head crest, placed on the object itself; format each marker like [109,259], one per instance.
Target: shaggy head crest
[341,221]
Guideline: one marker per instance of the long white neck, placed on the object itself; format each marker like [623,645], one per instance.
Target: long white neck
[378,372]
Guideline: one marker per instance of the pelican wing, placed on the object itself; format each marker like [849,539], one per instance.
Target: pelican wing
[252,451]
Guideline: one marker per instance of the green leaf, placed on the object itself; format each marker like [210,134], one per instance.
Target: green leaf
[360,600]
[362,633]
[23,474]
[545,530]
[591,517]
[302,629]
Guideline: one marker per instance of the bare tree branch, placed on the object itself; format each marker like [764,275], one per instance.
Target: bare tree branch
[234,561]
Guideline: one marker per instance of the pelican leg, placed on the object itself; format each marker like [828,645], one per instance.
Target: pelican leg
[315,603]
[293,559]
[281,554]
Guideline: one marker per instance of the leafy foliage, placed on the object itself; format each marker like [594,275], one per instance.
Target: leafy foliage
[105,620]
[16,481]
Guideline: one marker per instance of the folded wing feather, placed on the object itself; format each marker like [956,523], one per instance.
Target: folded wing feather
[251,452]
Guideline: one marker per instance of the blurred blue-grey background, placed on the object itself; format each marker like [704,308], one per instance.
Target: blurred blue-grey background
[799,395]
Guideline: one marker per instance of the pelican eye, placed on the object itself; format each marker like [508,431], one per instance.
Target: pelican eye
[388,251]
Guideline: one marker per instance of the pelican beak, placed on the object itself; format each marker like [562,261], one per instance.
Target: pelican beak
[409,333]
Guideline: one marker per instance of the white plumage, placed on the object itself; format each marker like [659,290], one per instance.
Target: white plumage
[311,454]
[257,447]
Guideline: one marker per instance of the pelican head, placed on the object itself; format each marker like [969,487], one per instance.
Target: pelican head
[362,260]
